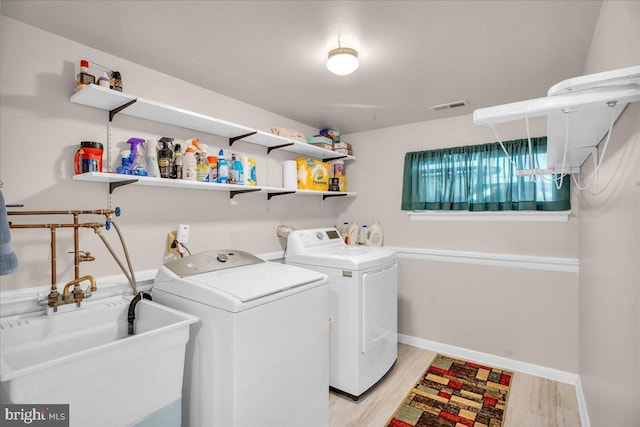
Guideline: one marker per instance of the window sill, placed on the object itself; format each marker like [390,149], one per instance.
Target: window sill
[522,216]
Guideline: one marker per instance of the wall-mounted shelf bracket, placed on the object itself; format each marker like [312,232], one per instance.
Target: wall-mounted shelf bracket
[112,113]
[236,138]
[275,147]
[344,156]
[234,193]
[270,195]
[324,196]
[116,184]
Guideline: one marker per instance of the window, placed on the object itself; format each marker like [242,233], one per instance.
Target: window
[482,178]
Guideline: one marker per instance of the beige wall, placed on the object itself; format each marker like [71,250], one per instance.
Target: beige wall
[511,312]
[609,242]
[525,315]
[41,130]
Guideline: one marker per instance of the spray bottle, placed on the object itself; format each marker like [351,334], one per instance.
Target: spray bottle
[152,158]
[223,169]
[135,142]
[138,164]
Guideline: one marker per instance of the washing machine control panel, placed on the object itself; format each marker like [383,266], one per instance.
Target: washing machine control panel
[214,260]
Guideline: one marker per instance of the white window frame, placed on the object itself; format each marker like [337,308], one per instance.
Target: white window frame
[522,216]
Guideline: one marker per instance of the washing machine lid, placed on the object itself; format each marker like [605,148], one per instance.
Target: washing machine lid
[256,281]
[237,288]
[344,257]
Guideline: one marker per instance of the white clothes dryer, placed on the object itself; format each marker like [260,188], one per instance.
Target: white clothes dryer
[260,354]
[363,283]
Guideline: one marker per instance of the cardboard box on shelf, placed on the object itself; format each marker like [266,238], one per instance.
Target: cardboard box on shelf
[322,145]
[335,135]
[344,151]
[324,139]
[340,145]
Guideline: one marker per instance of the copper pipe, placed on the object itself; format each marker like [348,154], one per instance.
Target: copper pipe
[53,295]
[72,212]
[82,225]
[78,294]
[54,274]
[76,248]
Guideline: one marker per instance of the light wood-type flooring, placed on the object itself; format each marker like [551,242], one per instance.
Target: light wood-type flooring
[533,401]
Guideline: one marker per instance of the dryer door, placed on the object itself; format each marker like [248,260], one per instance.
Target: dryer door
[379,307]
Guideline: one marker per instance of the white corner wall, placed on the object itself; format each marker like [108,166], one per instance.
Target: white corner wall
[609,241]
[454,287]
[41,131]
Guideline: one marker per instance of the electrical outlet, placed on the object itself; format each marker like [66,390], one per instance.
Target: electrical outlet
[183,233]
[171,238]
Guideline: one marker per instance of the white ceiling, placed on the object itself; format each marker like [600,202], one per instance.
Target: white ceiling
[272,54]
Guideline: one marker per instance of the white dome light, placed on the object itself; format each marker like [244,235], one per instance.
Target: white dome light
[343,61]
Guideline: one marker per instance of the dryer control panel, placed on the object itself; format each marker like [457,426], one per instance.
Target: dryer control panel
[304,240]
[214,260]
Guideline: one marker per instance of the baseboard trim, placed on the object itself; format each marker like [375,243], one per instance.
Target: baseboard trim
[582,404]
[566,265]
[503,362]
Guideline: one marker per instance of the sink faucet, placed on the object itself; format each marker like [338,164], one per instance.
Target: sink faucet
[54,299]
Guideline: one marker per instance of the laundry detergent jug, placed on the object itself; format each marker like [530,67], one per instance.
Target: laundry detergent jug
[88,158]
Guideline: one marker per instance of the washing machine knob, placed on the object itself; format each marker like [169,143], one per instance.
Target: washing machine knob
[222,257]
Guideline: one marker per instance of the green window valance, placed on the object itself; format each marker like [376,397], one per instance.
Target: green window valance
[482,178]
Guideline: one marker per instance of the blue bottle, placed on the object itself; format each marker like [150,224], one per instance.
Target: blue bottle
[125,169]
[223,169]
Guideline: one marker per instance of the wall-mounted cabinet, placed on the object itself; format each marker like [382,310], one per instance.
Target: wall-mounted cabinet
[124,103]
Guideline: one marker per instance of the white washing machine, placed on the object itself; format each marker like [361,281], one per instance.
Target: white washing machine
[363,284]
[260,354]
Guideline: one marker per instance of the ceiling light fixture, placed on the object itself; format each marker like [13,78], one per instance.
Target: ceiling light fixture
[343,61]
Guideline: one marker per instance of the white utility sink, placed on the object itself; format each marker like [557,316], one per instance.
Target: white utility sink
[85,358]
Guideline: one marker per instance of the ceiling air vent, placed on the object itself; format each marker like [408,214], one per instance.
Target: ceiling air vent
[450,105]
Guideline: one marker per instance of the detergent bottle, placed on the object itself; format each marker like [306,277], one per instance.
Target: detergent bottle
[361,236]
[189,165]
[252,172]
[213,168]
[239,168]
[152,158]
[354,230]
[233,172]
[223,169]
[374,235]
[202,164]
[176,172]
[246,169]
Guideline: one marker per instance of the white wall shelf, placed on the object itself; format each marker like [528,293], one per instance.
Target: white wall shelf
[124,103]
[116,180]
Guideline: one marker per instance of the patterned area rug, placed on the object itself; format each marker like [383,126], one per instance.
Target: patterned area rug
[455,393]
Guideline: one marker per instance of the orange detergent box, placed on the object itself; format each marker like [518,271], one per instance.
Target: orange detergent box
[313,174]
